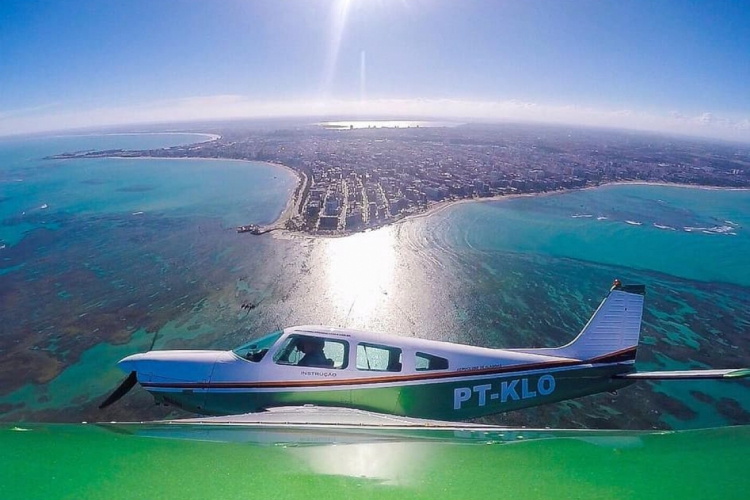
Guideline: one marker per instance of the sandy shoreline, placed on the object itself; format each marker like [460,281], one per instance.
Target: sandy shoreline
[291,204]
[209,137]
[667,184]
[442,205]
[446,203]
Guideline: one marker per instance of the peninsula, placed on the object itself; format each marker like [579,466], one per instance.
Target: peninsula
[352,179]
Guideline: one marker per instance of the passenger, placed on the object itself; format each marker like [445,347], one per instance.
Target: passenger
[314,355]
[394,361]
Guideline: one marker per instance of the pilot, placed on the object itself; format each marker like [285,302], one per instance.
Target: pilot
[314,355]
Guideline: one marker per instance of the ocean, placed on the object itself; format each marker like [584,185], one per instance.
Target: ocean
[100,258]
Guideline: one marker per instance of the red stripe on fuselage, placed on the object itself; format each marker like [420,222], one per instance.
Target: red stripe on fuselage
[387,379]
[627,354]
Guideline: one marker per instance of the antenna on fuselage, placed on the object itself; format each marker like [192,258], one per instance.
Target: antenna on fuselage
[346,320]
[153,342]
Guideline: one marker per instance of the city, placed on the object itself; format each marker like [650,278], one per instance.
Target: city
[359,178]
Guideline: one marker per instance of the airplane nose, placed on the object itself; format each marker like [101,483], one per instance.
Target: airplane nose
[165,367]
[171,366]
[129,363]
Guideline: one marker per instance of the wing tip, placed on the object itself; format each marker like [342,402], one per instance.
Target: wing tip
[687,374]
[738,373]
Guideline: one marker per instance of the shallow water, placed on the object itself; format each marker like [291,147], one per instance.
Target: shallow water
[37,193]
[90,279]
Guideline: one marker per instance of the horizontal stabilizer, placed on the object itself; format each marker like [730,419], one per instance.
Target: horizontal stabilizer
[688,374]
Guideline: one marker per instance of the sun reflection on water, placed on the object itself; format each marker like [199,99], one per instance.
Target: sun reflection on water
[360,274]
[393,463]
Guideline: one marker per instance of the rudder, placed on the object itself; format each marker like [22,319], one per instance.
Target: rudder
[613,332]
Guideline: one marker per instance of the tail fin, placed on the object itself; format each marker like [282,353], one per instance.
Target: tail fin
[613,332]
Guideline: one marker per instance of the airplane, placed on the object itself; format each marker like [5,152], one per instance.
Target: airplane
[410,377]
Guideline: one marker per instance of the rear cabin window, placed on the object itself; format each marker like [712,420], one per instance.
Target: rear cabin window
[314,352]
[430,362]
[379,358]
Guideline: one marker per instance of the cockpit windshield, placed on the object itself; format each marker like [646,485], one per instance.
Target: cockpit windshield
[257,348]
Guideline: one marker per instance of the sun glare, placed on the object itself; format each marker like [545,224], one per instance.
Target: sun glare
[360,274]
[392,463]
[339,14]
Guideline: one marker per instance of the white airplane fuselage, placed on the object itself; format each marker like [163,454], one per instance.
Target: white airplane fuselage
[463,381]
[406,376]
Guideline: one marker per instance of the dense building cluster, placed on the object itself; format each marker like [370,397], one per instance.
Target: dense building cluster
[359,178]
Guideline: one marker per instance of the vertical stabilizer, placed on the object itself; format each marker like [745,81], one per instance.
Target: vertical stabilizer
[613,332]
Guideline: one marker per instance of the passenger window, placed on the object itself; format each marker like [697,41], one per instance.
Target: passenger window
[378,358]
[430,362]
[314,352]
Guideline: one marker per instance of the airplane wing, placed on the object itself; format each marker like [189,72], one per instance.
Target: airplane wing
[688,374]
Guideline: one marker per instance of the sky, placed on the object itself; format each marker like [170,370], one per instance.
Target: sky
[675,66]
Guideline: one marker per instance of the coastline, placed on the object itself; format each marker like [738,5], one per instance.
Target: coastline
[285,214]
[429,211]
[444,204]
[209,136]
[441,205]
[291,208]
[667,184]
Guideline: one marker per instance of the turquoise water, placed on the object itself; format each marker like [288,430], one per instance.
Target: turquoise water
[696,234]
[36,191]
[130,252]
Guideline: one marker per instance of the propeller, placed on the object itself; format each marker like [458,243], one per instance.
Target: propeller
[126,385]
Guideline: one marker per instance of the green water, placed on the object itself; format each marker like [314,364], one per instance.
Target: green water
[86,461]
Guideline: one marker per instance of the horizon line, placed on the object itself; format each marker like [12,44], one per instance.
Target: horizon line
[233,108]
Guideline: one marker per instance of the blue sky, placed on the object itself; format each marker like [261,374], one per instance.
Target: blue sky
[681,66]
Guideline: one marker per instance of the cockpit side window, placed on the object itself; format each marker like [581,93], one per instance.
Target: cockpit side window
[425,362]
[257,348]
[378,358]
[318,352]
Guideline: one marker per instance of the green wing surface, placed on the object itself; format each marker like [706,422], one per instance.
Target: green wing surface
[366,459]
